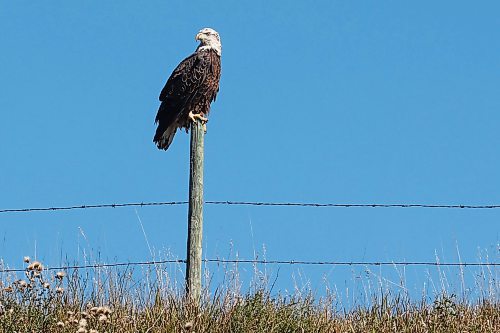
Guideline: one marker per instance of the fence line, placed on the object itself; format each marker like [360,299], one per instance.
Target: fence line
[251,203]
[255,261]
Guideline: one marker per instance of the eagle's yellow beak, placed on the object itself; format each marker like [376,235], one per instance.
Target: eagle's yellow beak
[198,36]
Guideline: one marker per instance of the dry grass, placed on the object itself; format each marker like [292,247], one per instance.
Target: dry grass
[107,300]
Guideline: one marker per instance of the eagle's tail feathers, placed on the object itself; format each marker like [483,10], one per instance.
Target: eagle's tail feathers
[163,139]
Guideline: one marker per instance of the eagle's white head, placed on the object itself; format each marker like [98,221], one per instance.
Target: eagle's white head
[209,40]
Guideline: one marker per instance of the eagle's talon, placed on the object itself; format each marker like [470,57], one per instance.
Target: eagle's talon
[193,117]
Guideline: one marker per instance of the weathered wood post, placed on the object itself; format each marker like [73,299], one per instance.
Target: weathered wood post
[195,212]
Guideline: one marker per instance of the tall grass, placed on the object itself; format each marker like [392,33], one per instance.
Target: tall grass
[121,300]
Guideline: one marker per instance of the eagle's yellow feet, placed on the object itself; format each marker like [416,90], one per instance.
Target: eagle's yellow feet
[194,116]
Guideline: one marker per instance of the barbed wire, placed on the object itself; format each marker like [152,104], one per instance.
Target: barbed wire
[99,265]
[256,261]
[115,205]
[348,263]
[250,203]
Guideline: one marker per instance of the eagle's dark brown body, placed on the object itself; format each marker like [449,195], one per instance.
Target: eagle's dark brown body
[192,86]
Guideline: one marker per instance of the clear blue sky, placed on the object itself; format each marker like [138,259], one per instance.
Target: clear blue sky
[324,101]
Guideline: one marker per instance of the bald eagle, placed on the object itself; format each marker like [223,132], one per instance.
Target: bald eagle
[192,86]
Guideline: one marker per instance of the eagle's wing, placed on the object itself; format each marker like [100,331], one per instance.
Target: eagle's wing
[191,82]
[195,77]
[175,81]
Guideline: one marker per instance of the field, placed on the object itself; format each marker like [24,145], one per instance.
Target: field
[117,300]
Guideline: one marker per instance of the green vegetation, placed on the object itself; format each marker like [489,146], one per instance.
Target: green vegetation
[112,300]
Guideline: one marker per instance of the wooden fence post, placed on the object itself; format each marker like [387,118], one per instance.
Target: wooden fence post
[195,212]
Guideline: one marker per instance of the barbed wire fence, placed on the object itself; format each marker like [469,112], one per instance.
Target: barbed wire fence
[255,261]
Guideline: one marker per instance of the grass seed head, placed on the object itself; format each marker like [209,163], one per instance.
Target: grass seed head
[26,259]
[188,325]
[106,310]
[22,284]
[82,322]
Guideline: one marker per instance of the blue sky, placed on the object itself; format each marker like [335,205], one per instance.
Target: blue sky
[324,101]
